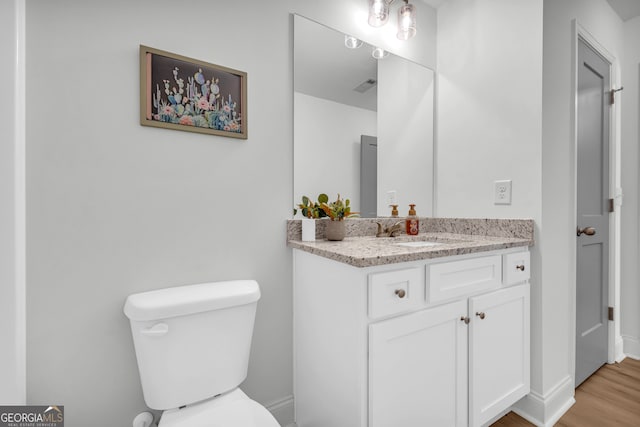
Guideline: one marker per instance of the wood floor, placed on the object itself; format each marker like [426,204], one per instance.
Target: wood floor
[609,398]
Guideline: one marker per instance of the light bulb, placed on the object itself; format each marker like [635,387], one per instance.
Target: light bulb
[378,12]
[406,21]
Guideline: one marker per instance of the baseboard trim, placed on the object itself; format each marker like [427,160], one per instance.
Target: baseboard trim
[282,410]
[545,411]
[619,349]
[631,346]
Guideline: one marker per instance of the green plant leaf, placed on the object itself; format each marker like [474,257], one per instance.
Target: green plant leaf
[323,198]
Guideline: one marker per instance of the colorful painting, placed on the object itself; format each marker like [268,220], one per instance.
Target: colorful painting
[187,94]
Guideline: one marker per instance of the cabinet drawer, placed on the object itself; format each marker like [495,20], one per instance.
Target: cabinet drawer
[458,278]
[515,268]
[396,291]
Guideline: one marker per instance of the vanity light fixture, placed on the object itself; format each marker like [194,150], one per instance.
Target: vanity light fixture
[379,53]
[406,21]
[379,16]
[352,42]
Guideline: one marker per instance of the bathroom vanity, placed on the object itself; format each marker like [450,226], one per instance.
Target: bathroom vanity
[426,334]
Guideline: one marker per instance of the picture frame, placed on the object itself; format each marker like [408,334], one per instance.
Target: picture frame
[182,93]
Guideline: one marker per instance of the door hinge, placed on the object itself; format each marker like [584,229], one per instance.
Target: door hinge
[610,313]
[611,205]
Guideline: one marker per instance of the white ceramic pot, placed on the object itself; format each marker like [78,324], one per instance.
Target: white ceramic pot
[308,230]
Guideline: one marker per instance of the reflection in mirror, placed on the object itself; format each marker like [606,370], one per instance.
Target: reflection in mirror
[344,98]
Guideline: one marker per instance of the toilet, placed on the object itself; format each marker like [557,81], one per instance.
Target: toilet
[192,345]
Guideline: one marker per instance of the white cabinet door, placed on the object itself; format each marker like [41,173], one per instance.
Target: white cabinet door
[418,369]
[498,352]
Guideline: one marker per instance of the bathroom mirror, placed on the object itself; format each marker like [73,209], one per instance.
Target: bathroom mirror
[360,124]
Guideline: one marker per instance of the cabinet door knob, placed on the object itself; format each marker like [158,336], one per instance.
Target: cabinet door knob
[520,267]
[481,315]
[401,293]
[465,319]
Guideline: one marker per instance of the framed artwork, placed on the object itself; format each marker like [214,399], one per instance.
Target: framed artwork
[186,94]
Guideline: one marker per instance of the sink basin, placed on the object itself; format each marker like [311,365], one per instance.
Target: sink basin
[421,244]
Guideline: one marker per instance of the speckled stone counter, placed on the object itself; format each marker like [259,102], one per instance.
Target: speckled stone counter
[455,236]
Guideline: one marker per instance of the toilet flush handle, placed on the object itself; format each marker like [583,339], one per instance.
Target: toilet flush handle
[157,330]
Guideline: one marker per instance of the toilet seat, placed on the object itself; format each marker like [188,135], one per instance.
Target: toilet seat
[233,409]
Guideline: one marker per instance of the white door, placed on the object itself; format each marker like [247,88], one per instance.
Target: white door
[592,251]
[498,352]
[418,369]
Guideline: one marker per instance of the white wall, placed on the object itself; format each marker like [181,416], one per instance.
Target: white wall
[12,367]
[488,106]
[115,208]
[405,135]
[630,294]
[327,149]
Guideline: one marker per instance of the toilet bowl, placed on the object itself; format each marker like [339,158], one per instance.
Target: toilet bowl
[192,347]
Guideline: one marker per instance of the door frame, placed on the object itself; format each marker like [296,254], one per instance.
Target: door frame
[615,339]
[13,197]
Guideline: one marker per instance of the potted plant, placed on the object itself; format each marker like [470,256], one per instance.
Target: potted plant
[337,211]
[310,211]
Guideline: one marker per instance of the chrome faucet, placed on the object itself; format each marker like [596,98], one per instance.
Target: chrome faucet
[389,231]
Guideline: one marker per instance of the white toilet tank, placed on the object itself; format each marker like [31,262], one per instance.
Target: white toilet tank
[192,342]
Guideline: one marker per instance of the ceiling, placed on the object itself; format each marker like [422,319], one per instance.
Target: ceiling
[627,9]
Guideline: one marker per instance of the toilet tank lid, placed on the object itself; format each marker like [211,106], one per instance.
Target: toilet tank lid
[190,299]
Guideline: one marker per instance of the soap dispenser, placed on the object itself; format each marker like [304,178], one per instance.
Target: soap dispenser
[412,222]
[394,211]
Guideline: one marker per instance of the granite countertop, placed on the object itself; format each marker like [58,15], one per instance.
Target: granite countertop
[361,249]
[371,251]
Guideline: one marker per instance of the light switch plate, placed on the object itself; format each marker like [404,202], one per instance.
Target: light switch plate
[502,192]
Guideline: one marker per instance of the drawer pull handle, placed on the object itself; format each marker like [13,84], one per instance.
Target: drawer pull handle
[481,315]
[465,319]
[520,267]
[401,293]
